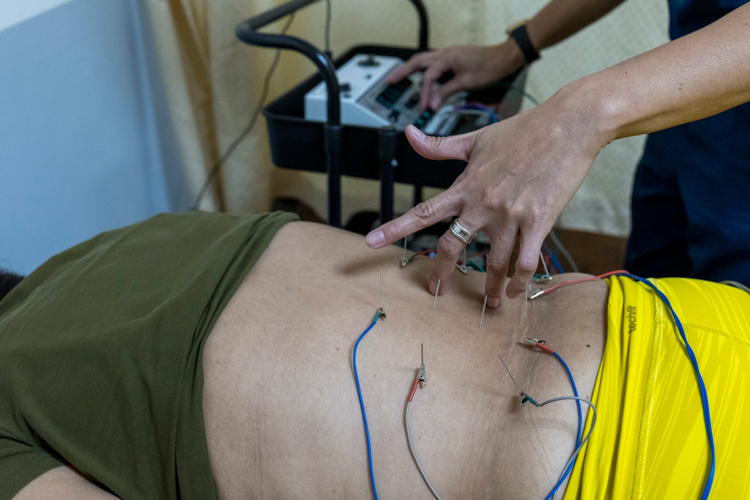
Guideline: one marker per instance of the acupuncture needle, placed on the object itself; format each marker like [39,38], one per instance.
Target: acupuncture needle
[403,259]
[483,308]
[546,271]
[436,294]
[526,301]
[421,372]
[462,267]
[511,375]
[381,285]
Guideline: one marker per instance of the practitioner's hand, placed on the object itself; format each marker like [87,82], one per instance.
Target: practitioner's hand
[474,67]
[521,173]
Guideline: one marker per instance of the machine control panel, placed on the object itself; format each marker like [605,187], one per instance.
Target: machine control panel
[367,100]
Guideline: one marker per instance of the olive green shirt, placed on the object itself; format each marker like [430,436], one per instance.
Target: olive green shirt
[101,354]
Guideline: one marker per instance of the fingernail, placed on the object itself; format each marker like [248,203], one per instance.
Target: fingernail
[493,303]
[418,132]
[432,287]
[375,238]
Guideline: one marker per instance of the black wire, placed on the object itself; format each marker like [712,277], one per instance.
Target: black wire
[217,166]
[328,28]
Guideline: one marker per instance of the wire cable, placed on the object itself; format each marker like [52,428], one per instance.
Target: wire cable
[476,112]
[525,397]
[477,266]
[434,250]
[378,315]
[555,263]
[736,284]
[547,291]
[521,91]
[578,449]
[411,446]
[561,248]
[327,38]
[251,124]
[541,345]
[424,252]
[567,470]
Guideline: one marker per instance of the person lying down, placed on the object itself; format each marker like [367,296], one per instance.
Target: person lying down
[203,356]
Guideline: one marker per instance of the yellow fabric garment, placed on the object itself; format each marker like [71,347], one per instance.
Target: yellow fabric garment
[650,441]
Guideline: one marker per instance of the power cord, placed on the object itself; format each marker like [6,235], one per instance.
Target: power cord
[328,28]
[251,124]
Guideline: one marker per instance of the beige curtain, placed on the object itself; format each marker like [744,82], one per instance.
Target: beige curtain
[213,82]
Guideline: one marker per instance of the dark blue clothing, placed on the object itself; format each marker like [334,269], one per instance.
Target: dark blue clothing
[686,16]
[691,195]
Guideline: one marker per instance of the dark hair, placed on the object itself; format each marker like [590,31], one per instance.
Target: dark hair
[8,282]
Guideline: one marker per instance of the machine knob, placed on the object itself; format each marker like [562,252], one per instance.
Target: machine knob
[370,61]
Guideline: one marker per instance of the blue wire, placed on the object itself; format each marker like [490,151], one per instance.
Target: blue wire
[477,266]
[362,403]
[580,429]
[553,257]
[701,385]
[491,110]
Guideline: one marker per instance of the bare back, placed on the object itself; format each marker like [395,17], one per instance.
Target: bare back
[280,404]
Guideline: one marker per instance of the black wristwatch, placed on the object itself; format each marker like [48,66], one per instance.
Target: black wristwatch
[521,36]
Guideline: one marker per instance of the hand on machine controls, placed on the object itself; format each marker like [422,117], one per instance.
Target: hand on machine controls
[474,67]
[521,173]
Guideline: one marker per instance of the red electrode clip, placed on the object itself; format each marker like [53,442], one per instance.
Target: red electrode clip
[539,344]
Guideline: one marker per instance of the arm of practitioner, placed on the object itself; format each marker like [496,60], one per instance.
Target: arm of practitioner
[523,171]
[476,66]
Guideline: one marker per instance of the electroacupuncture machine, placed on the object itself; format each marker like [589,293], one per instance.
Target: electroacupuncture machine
[368,100]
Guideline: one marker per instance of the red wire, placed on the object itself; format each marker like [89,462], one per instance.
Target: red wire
[425,252]
[581,280]
[413,389]
[544,348]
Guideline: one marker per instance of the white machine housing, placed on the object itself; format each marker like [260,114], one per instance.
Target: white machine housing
[367,100]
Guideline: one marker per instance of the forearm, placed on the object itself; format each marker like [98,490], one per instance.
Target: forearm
[693,77]
[560,19]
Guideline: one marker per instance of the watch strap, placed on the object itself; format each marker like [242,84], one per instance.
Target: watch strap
[521,36]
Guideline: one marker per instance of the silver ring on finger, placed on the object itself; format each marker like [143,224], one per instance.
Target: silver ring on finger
[461,232]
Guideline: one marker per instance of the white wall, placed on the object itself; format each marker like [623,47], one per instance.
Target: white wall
[16,11]
[82,148]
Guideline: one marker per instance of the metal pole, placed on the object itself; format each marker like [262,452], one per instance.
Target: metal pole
[332,129]
[387,146]
[424,25]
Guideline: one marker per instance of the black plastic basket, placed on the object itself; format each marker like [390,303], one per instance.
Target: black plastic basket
[299,144]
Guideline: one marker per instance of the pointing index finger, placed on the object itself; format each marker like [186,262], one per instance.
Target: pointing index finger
[423,215]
